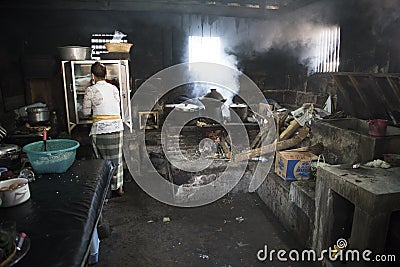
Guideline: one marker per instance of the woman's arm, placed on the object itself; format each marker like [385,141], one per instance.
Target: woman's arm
[87,102]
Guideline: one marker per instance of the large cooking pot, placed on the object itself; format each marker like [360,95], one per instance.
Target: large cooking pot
[38,115]
[14,192]
[10,156]
[75,52]
[241,110]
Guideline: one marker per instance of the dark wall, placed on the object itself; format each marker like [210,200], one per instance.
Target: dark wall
[40,32]
[370,35]
[159,40]
[273,52]
[30,55]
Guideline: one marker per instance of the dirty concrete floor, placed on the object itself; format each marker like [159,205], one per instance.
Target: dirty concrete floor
[204,236]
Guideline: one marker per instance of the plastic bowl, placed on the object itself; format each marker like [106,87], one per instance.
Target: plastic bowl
[58,157]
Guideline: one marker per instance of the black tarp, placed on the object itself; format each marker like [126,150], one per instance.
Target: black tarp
[62,213]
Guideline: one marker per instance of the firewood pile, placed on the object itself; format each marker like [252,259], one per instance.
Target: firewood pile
[284,130]
[291,130]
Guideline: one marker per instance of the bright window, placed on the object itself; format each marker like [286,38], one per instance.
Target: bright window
[205,49]
[328,50]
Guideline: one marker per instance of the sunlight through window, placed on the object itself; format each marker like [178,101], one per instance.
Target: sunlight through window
[205,49]
[328,50]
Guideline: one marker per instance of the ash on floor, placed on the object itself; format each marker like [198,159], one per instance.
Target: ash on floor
[228,232]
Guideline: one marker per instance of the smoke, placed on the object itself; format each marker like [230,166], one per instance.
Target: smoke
[299,32]
[207,28]
[227,81]
[300,38]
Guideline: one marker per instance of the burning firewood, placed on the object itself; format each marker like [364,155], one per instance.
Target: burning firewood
[216,146]
[225,147]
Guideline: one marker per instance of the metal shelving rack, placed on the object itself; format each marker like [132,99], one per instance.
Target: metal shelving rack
[76,78]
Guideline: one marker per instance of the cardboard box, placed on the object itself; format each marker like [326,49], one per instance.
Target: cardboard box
[293,166]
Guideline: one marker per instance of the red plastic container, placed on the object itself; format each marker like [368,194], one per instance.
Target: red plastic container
[377,127]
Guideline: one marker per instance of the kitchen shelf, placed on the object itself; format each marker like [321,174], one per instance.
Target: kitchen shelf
[76,72]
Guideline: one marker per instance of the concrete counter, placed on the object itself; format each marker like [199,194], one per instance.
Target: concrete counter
[355,204]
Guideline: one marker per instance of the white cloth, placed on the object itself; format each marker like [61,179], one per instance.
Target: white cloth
[103,98]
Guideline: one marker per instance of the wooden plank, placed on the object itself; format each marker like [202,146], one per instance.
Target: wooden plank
[344,92]
[179,7]
[393,86]
[359,91]
[384,100]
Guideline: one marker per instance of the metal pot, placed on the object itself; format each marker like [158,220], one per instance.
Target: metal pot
[75,52]
[213,102]
[15,196]
[241,110]
[214,95]
[10,156]
[38,115]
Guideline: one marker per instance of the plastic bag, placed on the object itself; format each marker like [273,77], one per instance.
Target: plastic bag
[314,166]
[118,36]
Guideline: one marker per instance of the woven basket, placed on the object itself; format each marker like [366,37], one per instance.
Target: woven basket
[118,47]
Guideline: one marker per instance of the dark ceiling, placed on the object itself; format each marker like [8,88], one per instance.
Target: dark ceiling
[230,8]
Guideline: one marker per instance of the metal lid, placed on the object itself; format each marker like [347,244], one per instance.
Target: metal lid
[5,149]
[214,95]
[238,105]
[37,109]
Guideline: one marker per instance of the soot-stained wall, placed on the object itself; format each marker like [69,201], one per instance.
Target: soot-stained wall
[278,53]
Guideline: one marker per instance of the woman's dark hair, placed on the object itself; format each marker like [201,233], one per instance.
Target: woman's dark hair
[98,69]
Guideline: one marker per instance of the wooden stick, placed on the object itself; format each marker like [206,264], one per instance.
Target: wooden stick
[281,145]
[257,138]
[277,125]
[285,144]
[225,147]
[290,130]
